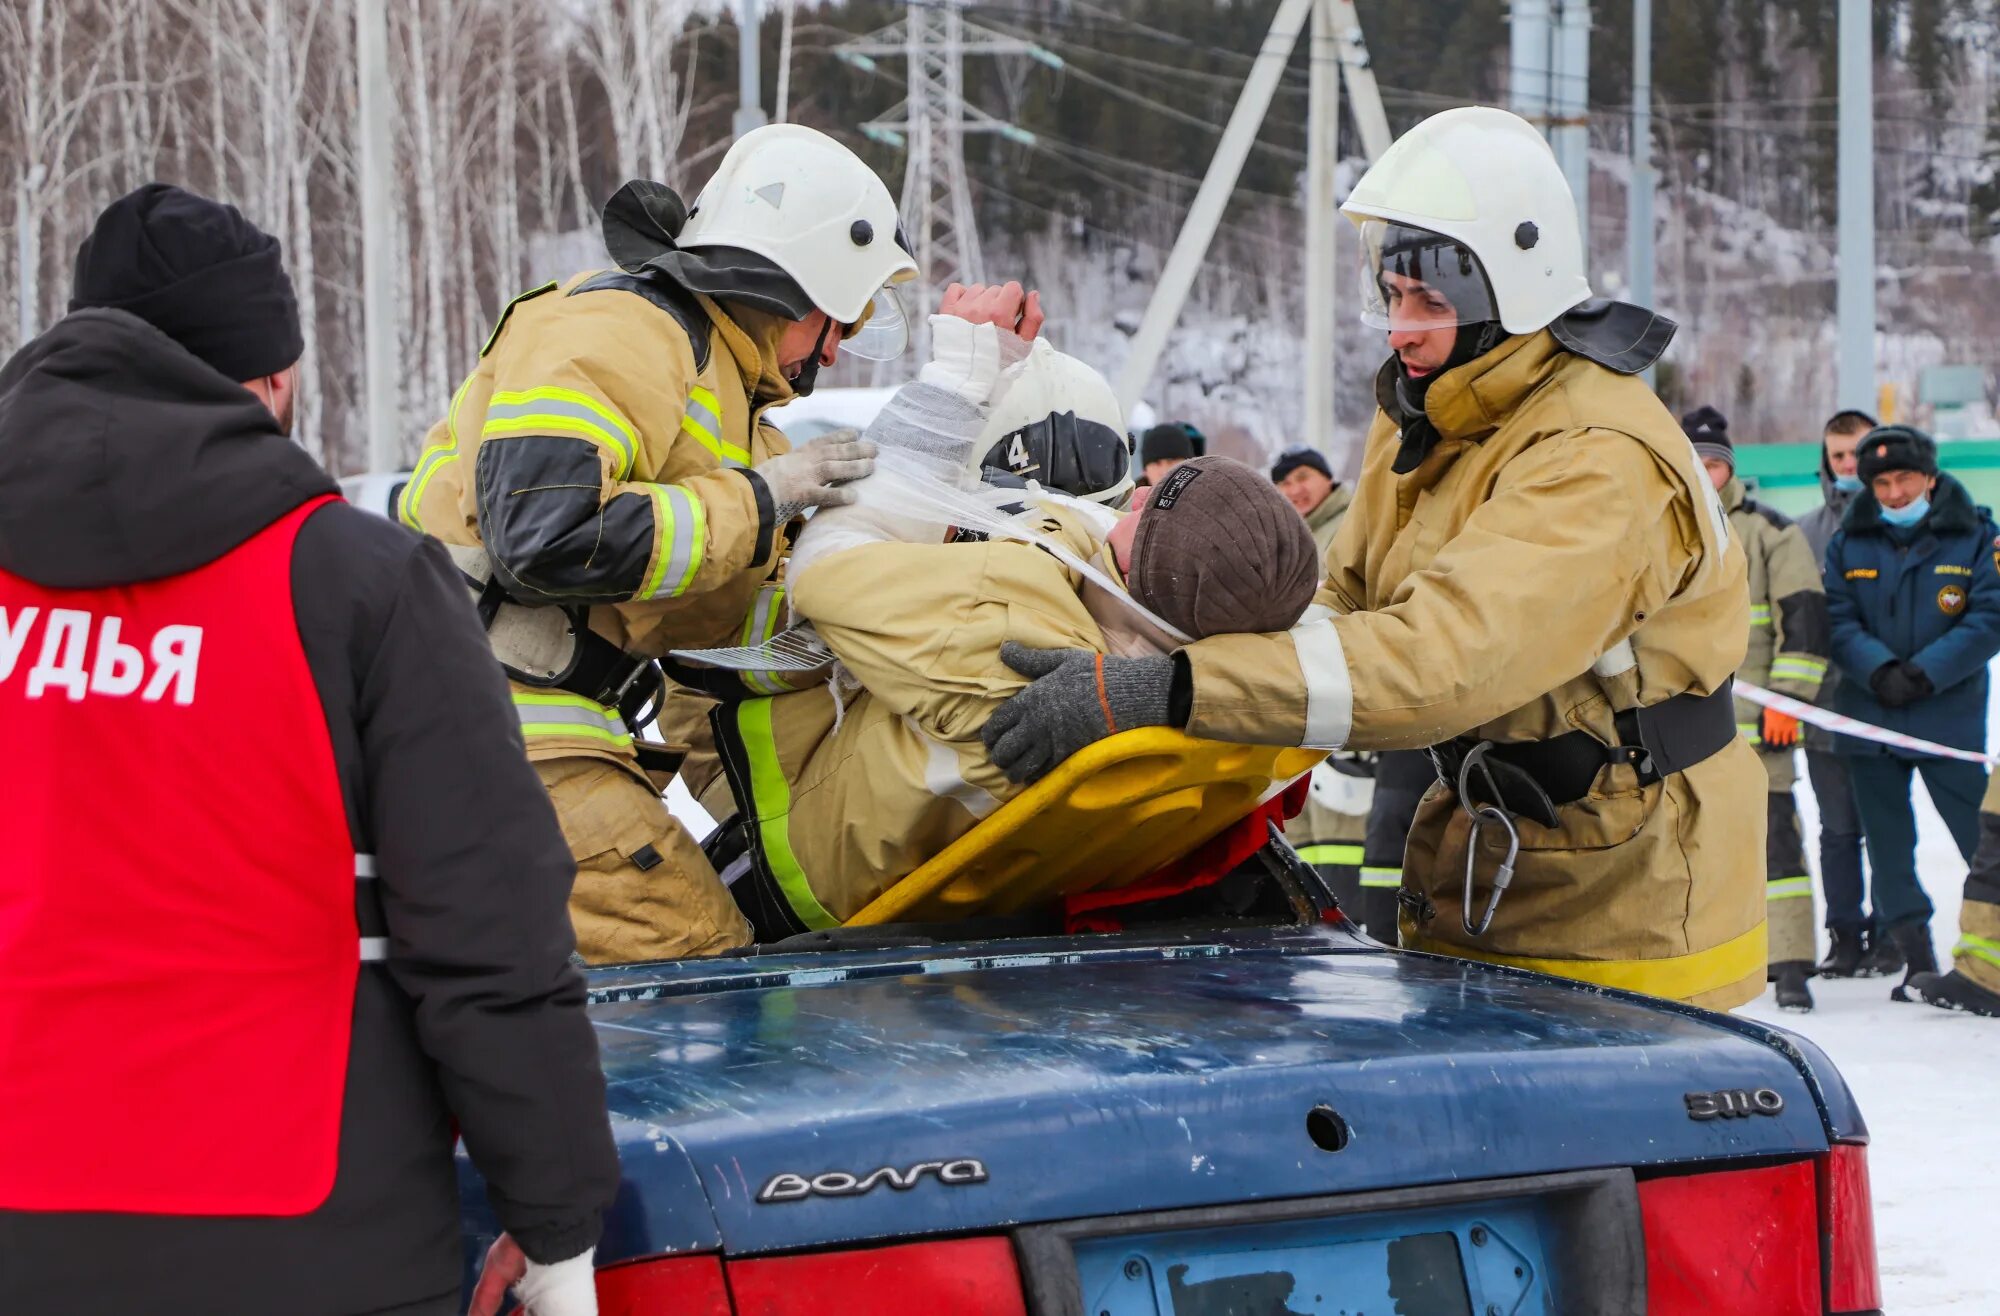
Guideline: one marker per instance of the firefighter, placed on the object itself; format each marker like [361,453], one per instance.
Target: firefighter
[615,489]
[1790,638]
[1973,982]
[1536,581]
[1331,831]
[253,985]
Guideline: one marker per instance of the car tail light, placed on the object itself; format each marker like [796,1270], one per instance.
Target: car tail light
[1739,1241]
[665,1286]
[1847,1217]
[965,1277]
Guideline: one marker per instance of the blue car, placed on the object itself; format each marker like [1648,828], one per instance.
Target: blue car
[1229,1114]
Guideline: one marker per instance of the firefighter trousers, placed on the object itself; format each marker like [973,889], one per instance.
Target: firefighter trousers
[644,890]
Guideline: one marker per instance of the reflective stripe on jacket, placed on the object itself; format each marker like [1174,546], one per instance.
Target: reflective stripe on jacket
[1558,557]
[1790,636]
[599,452]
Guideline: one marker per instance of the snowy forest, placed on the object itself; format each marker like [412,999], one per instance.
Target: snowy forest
[515,119]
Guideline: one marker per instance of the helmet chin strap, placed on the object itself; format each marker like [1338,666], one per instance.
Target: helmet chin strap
[809,375]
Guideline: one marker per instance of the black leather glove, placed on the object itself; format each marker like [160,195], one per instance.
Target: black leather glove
[1899,683]
[1076,697]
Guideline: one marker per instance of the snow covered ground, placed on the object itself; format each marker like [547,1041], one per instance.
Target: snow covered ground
[1929,1083]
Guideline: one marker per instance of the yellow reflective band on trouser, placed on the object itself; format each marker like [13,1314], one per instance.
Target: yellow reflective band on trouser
[702,421]
[1797,669]
[434,458]
[1331,854]
[1980,948]
[682,524]
[1753,732]
[772,803]
[1760,614]
[1382,877]
[759,625]
[1788,888]
[557,714]
[1676,977]
[541,410]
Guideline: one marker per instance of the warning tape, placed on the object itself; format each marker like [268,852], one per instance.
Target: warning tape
[1847,726]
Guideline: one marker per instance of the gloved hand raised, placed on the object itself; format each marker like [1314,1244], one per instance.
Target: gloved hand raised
[563,1288]
[1075,697]
[810,475]
[1900,683]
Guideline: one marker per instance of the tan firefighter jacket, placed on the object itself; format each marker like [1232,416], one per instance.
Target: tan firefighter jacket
[1790,633]
[1559,556]
[840,815]
[1324,835]
[600,451]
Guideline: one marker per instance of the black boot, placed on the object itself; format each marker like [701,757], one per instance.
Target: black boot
[1955,991]
[1913,939]
[1843,956]
[1884,959]
[1793,994]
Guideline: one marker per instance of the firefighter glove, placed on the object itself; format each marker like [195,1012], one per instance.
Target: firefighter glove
[1074,698]
[811,475]
[1781,730]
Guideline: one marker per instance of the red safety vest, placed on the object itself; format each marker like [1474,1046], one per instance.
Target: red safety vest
[178,947]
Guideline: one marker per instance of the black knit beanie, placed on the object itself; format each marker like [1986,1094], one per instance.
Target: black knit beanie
[197,271]
[1896,448]
[1292,459]
[1175,440]
[1708,430]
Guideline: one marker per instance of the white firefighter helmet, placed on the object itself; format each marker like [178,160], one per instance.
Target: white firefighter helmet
[1056,421]
[808,204]
[1486,182]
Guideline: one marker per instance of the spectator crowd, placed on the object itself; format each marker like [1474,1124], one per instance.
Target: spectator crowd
[1882,604]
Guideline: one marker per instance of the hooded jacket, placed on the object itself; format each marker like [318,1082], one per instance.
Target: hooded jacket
[1556,558]
[1789,638]
[1929,594]
[124,461]
[601,451]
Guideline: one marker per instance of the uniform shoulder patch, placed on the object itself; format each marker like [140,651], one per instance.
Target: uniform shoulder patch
[1951,600]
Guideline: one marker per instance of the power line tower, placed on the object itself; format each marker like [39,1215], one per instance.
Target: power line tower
[931,124]
[1338,55]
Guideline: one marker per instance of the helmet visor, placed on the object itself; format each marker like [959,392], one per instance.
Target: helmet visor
[1414,279]
[884,331]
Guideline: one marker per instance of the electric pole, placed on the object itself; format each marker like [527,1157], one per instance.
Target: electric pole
[378,235]
[749,68]
[1855,289]
[931,124]
[1639,191]
[1549,86]
[1342,26]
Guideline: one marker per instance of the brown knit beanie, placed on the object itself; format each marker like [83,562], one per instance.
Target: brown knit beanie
[1219,550]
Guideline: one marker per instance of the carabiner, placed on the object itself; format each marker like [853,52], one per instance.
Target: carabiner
[1481,815]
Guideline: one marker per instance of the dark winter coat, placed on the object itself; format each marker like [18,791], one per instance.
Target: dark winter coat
[1928,594]
[124,459]
[1820,525]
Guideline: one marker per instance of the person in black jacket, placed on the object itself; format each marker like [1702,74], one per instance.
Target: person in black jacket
[240,811]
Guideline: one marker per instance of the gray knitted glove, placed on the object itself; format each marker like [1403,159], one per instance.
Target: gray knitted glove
[1065,706]
[810,475]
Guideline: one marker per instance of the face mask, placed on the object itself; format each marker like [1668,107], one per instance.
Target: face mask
[1847,483]
[1909,515]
